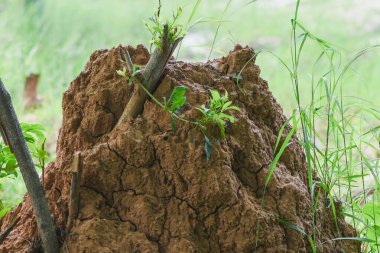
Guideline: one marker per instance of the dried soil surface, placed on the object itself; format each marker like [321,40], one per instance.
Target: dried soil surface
[144,188]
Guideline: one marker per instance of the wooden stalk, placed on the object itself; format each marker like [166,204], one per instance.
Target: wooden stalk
[150,77]
[12,132]
[74,192]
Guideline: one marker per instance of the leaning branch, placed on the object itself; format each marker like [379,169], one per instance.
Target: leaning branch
[11,131]
[150,77]
[8,230]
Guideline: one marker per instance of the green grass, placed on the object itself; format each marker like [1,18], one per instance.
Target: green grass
[339,134]
[337,107]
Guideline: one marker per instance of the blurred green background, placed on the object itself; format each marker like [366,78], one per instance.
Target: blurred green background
[56,38]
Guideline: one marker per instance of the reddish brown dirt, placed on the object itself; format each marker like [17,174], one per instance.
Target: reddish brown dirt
[144,188]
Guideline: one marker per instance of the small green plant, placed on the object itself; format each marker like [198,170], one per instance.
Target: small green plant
[176,101]
[216,113]
[156,28]
[123,72]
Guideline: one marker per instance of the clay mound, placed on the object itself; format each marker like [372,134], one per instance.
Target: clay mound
[144,188]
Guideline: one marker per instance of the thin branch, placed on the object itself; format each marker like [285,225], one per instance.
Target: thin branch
[74,191]
[159,8]
[12,129]
[8,230]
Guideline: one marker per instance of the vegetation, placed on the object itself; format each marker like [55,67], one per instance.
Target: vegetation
[35,139]
[166,35]
[344,154]
[215,115]
[155,27]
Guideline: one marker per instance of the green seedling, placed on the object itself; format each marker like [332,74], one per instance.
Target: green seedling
[123,72]
[216,114]
[156,28]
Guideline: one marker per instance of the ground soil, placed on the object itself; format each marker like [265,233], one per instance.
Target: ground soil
[144,188]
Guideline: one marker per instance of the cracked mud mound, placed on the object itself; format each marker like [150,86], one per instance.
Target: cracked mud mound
[144,188]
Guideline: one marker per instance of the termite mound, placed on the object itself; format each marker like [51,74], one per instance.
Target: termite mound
[145,188]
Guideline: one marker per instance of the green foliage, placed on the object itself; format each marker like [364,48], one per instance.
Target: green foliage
[370,216]
[340,154]
[216,114]
[156,28]
[177,99]
[35,140]
[8,162]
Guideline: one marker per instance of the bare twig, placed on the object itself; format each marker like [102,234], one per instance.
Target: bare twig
[16,141]
[8,230]
[74,191]
[159,8]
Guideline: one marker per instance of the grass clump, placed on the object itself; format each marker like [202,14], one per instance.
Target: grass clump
[342,150]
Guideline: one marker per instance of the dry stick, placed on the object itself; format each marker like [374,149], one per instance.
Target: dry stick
[150,77]
[13,134]
[74,191]
[8,230]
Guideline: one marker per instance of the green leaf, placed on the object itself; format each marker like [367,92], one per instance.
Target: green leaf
[11,166]
[4,211]
[233,108]
[360,239]
[226,116]
[215,95]
[122,72]
[300,230]
[208,148]
[284,145]
[41,153]
[372,211]
[177,98]
[225,106]
[32,131]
